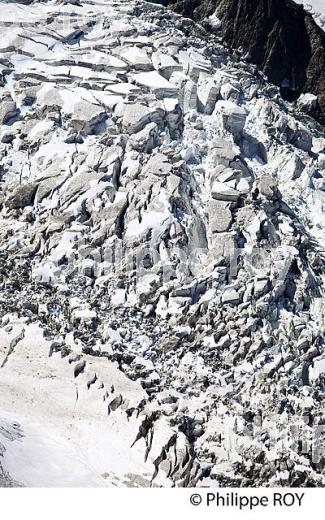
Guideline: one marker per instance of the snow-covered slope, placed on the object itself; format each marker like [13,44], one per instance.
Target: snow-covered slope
[162,257]
[65,436]
[316,8]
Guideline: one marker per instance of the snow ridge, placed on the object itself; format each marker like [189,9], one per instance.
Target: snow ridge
[316,8]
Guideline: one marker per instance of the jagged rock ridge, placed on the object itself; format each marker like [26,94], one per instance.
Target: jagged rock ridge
[278,35]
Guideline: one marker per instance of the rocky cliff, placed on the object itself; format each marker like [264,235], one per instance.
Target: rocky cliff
[278,35]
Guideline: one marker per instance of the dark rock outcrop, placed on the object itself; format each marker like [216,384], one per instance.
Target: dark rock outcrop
[279,36]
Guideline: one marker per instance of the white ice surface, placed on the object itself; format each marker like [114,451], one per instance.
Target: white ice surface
[67,441]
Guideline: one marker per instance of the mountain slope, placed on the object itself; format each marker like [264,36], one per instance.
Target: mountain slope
[162,257]
[278,35]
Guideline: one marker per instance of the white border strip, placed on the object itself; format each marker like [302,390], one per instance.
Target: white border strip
[166,504]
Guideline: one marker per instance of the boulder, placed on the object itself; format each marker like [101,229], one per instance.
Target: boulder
[137,58]
[155,83]
[230,296]
[158,164]
[21,196]
[224,152]
[220,216]
[231,117]
[8,109]
[165,64]
[146,139]
[136,116]
[87,116]
[188,96]
[221,191]
[268,187]
[207,94]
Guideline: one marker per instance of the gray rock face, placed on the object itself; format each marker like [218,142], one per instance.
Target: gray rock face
[232,117]
[7,109]
[161,258]
[208,93]
[220,216]
[136,116]
[221,191]
[21,196]
[86,117]
[280,36]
